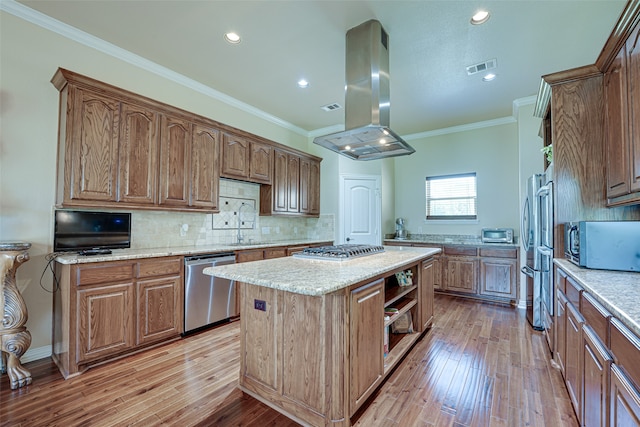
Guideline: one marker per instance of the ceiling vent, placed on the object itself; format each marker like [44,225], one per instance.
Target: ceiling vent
[482,67]
[331,107]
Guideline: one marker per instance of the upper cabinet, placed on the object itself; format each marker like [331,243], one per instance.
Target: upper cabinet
[622,115]
[121,150]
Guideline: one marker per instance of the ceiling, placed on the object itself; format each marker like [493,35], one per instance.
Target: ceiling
[431,44]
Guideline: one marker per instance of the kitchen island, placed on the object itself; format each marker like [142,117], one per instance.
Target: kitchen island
[313,341]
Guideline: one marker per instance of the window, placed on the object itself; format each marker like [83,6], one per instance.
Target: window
[452,196]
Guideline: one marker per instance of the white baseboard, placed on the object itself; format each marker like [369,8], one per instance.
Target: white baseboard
[522,304]
[36,354]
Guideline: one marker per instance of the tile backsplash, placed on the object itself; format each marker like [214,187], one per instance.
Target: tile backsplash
[158,229]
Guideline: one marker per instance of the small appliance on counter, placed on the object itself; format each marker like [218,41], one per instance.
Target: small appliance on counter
[603,245]
[497,235]
[401,232]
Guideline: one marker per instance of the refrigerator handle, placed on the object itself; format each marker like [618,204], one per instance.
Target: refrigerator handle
[527,270]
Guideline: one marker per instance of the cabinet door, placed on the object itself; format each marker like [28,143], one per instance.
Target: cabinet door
[573,361]
[205,168]
[138,155]
[105,321]
[305,182]
[366,342]
[595,378]
[293,181]
[561,332]
[616,127]
[159,309]
[625,400]
[280,182]
[633,67]
[261,163]
[91,159]
[426,294]
[498,277]
[175,161]
[461,274]
[235,157]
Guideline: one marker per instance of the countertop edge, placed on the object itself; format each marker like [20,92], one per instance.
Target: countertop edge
[130,254]
[580,274]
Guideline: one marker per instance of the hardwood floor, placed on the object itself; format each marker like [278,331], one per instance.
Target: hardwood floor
[480,365]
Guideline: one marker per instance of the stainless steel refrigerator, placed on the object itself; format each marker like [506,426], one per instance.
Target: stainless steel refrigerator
[536,234]
[530,238]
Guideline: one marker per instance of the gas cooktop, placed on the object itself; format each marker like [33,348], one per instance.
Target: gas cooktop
[339,252]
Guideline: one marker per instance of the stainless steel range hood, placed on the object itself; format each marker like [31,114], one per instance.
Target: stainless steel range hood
[367,135]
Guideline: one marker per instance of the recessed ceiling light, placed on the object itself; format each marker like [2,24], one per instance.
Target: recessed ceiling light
[302,83]
[488,77]
[233,38]
[480,17]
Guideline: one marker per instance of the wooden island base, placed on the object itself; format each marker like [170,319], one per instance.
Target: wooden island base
[316,359]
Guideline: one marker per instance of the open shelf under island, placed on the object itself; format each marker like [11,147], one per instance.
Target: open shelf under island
[312,340]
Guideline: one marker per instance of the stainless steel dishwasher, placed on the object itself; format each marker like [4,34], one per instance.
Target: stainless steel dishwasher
[207,299]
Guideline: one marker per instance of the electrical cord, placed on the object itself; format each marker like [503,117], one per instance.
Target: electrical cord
[50,258]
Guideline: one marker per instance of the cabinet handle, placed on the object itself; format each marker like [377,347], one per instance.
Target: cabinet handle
[371,295]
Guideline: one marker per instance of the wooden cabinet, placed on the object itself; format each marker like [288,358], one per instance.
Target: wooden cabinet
[296,186]
[107,309]
[105,321]
[624,401]
[573,359]
[497,277]
[595,387]
[461,274]
[261,163]
[246,159]
[366,341]
[622,131]
[426,293]
[88,148]
[561,332]
[121,150]
[138,155]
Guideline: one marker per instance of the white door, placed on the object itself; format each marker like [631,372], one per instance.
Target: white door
[360,210]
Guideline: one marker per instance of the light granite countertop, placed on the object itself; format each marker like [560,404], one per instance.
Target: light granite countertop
[617,291]
[319,277]
[127,254]
[449,240]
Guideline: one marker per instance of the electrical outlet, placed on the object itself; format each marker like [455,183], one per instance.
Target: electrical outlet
[260,305]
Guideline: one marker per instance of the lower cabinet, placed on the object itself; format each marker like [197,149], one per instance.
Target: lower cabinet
[497,276]
[461,274]
[597,365]
[426,293]
[573,361]
[366,341]
[107,309]
[625,400]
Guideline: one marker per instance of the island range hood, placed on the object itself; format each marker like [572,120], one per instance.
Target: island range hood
[367,135]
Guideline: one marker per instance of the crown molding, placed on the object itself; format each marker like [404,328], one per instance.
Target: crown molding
[79,36]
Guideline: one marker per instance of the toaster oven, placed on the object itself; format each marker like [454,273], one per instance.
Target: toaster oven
[497,235]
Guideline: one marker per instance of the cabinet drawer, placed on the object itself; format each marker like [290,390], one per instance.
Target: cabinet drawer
[275,253]
[248,256]
[499,253]
[596,316]
[625,347]
[103,273]
[461,250]
[159,267]
[573,292]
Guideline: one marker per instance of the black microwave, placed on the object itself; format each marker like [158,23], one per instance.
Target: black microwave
[604,245]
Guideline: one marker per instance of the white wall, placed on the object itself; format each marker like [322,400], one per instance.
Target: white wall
[491,152]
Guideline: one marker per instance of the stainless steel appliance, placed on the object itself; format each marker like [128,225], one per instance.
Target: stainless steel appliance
[207,299]
[544,252]
[401,232]
[339,252]
[605,245]
[497,235]
[530,237]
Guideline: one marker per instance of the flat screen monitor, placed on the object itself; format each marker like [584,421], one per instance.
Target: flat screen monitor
[78,231]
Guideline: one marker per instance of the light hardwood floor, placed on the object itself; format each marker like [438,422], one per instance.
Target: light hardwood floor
[480,365]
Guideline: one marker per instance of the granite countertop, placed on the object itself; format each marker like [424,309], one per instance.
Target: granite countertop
[319,277]
[617,291]
[127,254]
[453,239]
